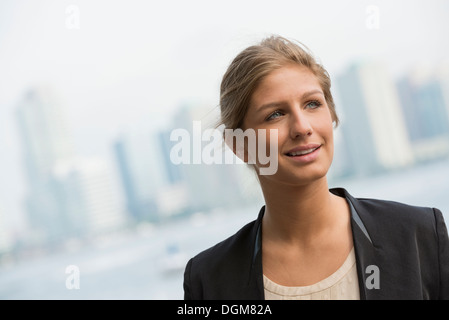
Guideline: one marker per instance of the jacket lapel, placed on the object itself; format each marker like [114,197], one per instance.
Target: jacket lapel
[255,288]
[367,254]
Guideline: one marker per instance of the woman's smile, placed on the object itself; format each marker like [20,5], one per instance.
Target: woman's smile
[304,154]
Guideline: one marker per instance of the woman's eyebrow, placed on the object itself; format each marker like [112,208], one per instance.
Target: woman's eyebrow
[271,105]
[305,95]
[311,92]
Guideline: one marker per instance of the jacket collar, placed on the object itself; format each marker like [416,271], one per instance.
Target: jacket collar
[365,249]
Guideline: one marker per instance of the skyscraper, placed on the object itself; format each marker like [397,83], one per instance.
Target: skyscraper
[45,143]
[140,163]
[426,115]
[373,127]
[89,199]
[173,171]
[67,196]
[443,79]
[209,185]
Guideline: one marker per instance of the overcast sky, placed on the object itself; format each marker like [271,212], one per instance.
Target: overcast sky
[127,65]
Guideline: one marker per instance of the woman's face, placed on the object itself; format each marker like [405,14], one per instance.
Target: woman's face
[291,101]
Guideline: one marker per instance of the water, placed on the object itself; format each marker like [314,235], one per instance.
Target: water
[144,265]
[149,263]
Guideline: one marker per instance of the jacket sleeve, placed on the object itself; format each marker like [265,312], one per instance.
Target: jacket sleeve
[187,287]
[443,253]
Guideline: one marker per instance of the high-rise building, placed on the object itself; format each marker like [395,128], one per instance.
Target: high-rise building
[45,143]
[44,133]
[209,185]
[443,79]
[140,160]
[442,76]
[373,127]
[173,172]
[426,115]
[88,197]
[67,197]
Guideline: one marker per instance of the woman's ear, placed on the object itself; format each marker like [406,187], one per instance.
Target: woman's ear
[244,145]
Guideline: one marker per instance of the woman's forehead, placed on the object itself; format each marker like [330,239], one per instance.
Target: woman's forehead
[288,82]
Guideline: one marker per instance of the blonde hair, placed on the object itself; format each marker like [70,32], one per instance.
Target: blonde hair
[254,63]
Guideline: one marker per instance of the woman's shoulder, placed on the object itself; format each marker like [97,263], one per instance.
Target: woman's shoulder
[223,270]
[399,220]
[389,210]
[388,216]
[393,210]
[227,250]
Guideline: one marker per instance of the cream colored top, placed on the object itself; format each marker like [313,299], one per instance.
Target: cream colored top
[341,285]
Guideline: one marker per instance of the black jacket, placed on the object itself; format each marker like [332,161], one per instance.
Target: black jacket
[409,246]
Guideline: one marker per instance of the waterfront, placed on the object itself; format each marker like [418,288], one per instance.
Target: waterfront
[148,263]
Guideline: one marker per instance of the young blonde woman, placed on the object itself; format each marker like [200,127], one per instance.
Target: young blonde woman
[310,242]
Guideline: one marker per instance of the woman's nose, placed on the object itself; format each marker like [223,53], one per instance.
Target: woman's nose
[300,125]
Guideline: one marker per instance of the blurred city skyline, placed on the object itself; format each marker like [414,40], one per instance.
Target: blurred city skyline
[71,196]
[121,69]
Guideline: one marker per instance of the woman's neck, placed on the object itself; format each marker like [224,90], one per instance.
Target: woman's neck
[300,214]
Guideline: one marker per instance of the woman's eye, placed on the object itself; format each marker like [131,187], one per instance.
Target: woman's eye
[313,104]
[274,115]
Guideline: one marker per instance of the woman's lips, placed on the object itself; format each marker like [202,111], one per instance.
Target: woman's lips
[303,150]
[304,154]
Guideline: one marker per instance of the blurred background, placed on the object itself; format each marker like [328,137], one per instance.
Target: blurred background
[91,207]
